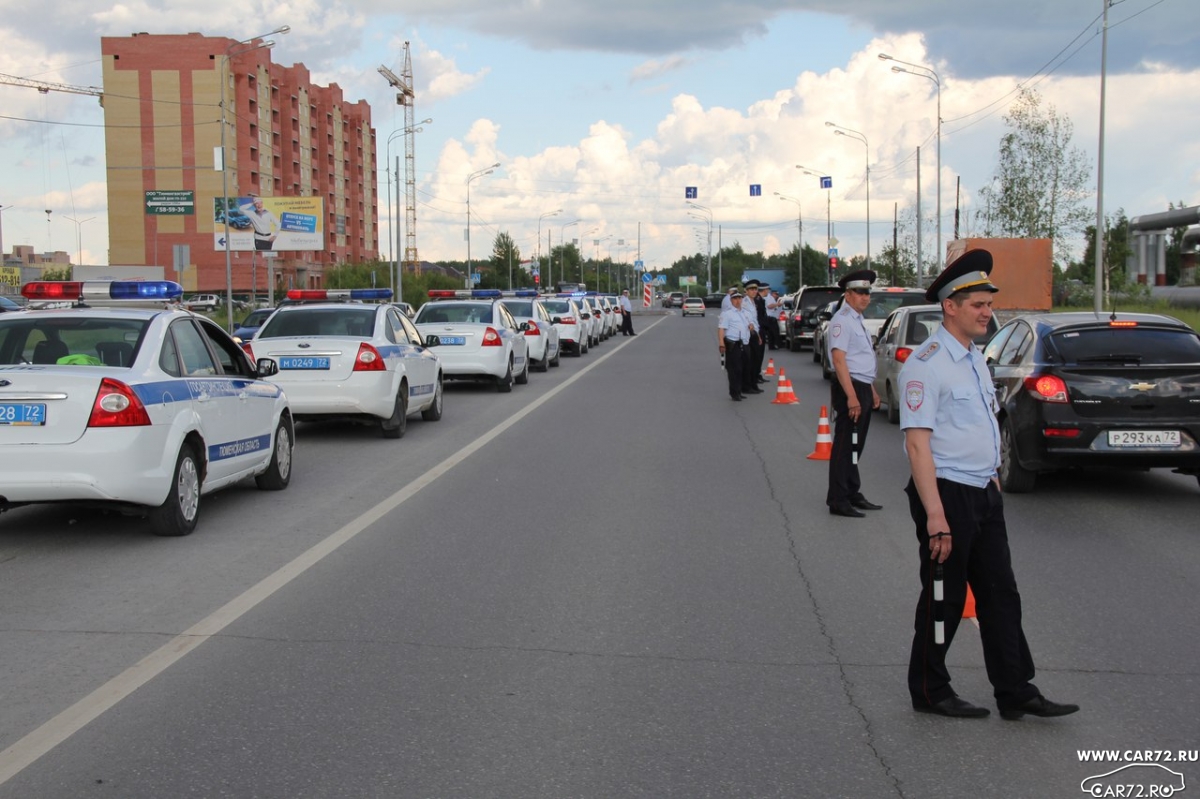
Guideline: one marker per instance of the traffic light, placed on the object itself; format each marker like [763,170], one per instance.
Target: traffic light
[833,262]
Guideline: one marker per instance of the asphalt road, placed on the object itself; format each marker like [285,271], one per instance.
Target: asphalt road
[611,582]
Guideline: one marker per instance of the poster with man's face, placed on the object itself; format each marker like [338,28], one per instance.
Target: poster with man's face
[277,224]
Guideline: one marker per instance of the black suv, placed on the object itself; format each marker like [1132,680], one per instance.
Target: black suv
[802,319]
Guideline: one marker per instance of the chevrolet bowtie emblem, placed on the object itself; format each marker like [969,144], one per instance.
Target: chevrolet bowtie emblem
[1141,386]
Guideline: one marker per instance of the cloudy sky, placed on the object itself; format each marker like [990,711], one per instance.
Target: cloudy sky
[609,110]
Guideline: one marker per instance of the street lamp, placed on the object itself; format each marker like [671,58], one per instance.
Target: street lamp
[828,222]
[799,236]
[709,220]
[555,212]
[486,171]
[79,235]
[930,74]
[582,237]
[854,134]
[247,46]
[397,273]
[562,254]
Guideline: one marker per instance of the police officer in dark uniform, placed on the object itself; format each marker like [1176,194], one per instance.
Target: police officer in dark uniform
[756,308]
[948,414]
[852,395]
[733,339]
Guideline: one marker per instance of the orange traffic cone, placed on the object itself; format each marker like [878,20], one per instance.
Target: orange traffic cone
[969,606]
[824,438]
[783,391]
[771,366]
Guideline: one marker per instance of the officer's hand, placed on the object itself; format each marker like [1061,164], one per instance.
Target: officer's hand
[939,547]
[855,411]
[874,398]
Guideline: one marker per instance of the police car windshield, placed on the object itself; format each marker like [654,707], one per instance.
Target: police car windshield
[302,320]
[75,341]
[455,313]
[883,302]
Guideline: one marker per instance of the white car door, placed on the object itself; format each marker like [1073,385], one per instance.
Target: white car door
[213,397]
[419,364]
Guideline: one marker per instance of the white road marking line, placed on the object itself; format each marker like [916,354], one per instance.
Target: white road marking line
[58,729]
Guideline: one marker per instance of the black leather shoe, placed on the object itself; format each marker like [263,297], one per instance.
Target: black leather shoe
[862,503]
[846,510]
[762,380]
[954,707]
[738,398]
[754,390]
[1038,706]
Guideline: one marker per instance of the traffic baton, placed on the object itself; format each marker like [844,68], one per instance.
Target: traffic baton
[939,622]
[854,448]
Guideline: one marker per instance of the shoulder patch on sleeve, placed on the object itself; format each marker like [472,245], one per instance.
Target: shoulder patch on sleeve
[914,394]
[927,353]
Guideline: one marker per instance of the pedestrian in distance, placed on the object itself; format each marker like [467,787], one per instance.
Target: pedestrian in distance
[852,395]
[626,314]
[733,341]
[771,327]
[948,415]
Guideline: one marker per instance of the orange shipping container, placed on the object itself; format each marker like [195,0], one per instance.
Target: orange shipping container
[1022,270]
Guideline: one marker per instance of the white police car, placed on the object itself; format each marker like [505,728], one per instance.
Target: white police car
[569,321]
[145,408]
[350,360]
[477,336]
[540,333]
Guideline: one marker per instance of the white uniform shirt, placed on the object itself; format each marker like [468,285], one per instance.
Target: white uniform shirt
[848,333]
[948,389]
[733,322]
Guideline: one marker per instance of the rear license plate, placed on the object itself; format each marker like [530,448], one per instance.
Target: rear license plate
[303,363]
[22,414]
[460,340]
[1143,438]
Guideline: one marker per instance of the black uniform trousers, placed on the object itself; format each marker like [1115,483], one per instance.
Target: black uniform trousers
[626,323]
[753,361]
[980,556]
[735,365]
[844,483]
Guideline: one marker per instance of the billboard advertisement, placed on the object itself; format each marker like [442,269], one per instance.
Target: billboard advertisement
[271,224]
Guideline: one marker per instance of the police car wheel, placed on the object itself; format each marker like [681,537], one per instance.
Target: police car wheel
[434,411]
[557,356]
[394,426]
[893,411]
[1014,478]
[544,364]
[505,384]
[178,514]
[816,353]
[794,344]
[279,471]
[523,378]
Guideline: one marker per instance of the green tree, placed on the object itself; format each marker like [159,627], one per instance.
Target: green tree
[1041,178]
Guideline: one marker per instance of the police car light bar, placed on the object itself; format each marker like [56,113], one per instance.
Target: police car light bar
[520,293]
[464,294]
[339,294]
[150,290]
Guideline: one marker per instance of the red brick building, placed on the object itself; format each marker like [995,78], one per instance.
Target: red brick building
[284,137]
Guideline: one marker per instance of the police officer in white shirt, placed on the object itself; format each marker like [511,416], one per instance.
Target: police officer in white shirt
[852,395]
[948,414]
[733,342]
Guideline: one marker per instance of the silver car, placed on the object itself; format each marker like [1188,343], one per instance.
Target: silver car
[905,329]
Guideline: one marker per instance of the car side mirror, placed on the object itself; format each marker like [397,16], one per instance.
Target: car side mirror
[523,326]
[825,316]
[557,320]
[265,367]
[432,341]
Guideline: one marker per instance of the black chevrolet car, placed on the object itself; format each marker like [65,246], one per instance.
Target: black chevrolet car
[1084,390]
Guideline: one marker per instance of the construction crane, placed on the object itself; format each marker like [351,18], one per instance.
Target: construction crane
[45,87]
[405,97]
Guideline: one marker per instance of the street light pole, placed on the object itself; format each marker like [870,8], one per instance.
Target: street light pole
[854,134]
[246,45]
[709,220]
[828,219]
[555,212]
[487,171]
[799,236]
[562,255]
[79,235]
[397,272]
[929,74]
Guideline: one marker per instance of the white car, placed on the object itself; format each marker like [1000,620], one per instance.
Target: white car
[572,327]
[350,360]
[692,305]
[591,320]
[148,407]
[606,308]
[540,332]
[477,336]
[203,302]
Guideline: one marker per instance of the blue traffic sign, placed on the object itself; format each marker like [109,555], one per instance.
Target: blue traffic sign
[639,264]
[647,277]
[827,183]
[690,193]
[833,252]
[755,189]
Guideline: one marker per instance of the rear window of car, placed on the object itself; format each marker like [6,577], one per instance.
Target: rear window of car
[455,313]
[257,317]
[817,297]
[519,307]
[77,341]
[307,321]
[557,306]
[1124,345]
[884,302]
